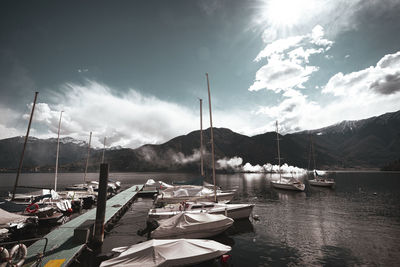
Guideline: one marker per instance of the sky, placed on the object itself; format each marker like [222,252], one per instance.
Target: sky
[133,71]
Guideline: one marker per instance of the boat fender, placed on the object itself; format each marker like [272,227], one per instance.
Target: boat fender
[4,257]
[18,253]
[35,206]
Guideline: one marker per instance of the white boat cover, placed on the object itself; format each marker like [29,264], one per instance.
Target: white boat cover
[8,218]
[158,185]
[167,252]
[188,191]
[192,224]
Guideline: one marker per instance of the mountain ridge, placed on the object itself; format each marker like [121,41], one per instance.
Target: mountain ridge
[368,143]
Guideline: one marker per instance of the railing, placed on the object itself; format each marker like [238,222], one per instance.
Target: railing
[39,256]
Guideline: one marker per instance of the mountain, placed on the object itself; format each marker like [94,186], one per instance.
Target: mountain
[369,143]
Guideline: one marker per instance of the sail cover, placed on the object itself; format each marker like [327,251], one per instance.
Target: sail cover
[168,252]
[193,225]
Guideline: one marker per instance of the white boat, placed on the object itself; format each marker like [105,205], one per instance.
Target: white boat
[286,184]
[318,179]
[12,221]
[181,193]
[321,181]
[167,252]
[192,225]
[234,211]
[291,184]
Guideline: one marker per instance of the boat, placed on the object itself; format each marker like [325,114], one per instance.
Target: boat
[112,185]
[11,222]
[321,181]
[167,252]
[181,193]
[286,184]
[192,225]
[318,179]
[289,184]
[234,211]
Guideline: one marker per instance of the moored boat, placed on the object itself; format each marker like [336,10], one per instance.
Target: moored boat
[286,184]
[167,252]
[291,184]
[192,225]
[234,211]
[178,194]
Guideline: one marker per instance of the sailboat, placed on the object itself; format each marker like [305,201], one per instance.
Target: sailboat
[318,179]
[93,186]
[287,184]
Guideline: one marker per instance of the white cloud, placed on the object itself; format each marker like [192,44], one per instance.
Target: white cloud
[288,59]
[384,78]
[128,119]
[356,95]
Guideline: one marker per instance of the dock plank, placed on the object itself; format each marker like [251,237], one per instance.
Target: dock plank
[62,247]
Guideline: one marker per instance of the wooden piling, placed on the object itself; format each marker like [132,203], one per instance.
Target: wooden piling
[101,205]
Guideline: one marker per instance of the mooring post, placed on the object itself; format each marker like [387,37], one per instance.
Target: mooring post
[101,205]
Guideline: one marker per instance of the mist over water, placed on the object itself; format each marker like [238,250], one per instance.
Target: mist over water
[356,224]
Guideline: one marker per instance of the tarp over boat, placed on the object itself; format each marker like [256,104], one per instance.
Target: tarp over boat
[167,252]
[7,218]
[192,225]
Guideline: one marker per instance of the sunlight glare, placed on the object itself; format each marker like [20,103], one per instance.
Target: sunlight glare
[286,12]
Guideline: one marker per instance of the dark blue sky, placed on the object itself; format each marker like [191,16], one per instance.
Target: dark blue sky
[133,70]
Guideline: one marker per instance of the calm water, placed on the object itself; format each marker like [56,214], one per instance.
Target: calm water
[356,224]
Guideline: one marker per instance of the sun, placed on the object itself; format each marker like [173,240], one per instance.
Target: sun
[285,13]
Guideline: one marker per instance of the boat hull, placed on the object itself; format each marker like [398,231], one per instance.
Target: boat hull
[221,197]
[322,183]
[236,213]
[201,225]
[288,186]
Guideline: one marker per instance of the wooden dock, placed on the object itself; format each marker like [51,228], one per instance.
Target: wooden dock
[62,249]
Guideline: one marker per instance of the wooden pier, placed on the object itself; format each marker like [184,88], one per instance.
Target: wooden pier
[62,248]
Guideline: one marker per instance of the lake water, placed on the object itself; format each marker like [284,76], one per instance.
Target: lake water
[355,224]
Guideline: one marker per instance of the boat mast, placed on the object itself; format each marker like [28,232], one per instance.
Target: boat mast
[23,150]
[87,159]
[104,148]
[201,137]
[212,139]
[58,149]
[279,153]
[312,151]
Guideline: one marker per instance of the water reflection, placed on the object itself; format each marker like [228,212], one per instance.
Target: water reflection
[357,223]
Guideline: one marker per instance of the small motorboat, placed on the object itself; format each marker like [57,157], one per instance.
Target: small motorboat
[234,211]
[181,193]
[321,181]
[192,225]
[167,252]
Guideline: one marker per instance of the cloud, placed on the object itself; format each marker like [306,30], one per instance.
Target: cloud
[288,61]
[129,119]
[353,96]
[384,79]
[235,164]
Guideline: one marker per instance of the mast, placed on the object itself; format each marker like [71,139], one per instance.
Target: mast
[58,149]
[212,139]
[313,154]
[104,148]
[201,137]
[23,150]
[87,159]
[279,153]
